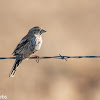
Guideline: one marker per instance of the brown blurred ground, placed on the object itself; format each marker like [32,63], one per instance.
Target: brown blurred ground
[73,29]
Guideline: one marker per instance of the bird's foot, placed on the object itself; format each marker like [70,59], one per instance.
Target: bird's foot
[37,58]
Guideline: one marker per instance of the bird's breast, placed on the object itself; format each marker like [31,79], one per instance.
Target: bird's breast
[38,41]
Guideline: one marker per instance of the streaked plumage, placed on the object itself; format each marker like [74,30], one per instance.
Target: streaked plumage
[29,45]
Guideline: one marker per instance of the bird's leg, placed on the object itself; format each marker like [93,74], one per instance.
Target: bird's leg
[37,58]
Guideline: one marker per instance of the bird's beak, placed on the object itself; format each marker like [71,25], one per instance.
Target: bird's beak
[42,31]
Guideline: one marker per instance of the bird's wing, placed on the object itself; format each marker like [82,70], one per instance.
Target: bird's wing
[32,44]
[20,46]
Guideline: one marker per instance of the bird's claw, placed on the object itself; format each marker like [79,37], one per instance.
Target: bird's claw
[37,59]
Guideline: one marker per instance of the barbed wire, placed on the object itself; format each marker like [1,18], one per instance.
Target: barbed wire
[54,57]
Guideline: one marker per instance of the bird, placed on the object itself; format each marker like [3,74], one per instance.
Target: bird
[28,46]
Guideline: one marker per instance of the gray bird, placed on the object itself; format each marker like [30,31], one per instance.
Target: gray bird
[29,45]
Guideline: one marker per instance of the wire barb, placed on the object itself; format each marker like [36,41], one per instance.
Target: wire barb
[62,57]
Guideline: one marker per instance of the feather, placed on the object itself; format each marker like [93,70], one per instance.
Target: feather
[15,66]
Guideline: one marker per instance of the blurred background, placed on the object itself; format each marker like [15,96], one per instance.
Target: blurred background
[73,29]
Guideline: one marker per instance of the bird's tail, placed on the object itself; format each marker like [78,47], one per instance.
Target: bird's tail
[15,66]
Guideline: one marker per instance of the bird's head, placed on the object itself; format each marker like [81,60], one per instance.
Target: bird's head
[36,30]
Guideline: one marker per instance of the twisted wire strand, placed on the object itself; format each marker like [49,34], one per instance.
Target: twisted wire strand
[54,57]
